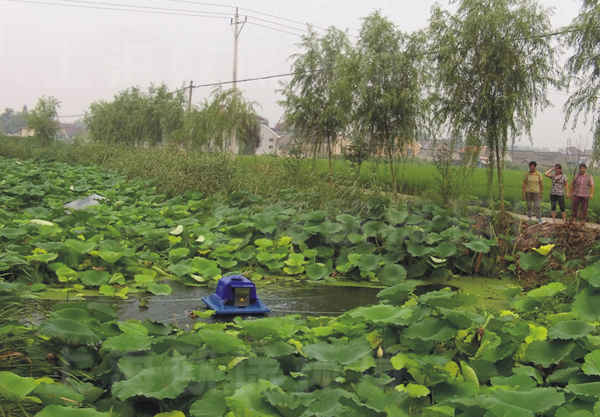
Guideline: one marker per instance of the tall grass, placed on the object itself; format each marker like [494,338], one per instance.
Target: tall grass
[176,171]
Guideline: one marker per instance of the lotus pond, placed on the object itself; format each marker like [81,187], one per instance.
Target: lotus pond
[390,351]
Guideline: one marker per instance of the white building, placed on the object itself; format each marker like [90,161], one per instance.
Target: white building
[269,141]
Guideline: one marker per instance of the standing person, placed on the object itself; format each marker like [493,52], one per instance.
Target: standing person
[532,190]
[560,187]
[582,189]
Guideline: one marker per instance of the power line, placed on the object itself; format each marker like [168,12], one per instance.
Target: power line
[202,4]
[193,14]
[241,81]
[144,7]
[275,29]
[281,18]
[278,24]
[72,115]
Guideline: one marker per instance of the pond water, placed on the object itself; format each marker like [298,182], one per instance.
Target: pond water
[283,298]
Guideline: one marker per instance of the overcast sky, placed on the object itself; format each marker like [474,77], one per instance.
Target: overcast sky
[80,55]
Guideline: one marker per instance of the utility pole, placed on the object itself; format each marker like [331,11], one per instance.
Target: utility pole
[190,96]
[237,29]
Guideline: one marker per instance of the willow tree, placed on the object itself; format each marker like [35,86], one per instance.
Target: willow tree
[43,119]
[317,98]
[493,67]
[583,37]
[388,77]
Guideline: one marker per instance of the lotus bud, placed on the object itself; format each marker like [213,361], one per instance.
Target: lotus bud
[379,352]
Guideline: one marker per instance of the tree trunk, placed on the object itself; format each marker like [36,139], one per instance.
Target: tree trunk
[330,161]
[500,180]
[392,171]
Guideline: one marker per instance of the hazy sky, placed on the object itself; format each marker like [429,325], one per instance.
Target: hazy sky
[80,55]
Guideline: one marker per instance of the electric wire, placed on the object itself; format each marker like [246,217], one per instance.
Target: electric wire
[278,24]
[202,4]
[281,18]
[194,14]
[278,30]
[145,7]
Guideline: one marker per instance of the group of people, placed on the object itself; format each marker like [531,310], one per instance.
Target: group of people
[581,191]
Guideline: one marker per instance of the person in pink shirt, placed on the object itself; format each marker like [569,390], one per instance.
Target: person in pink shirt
[582,190]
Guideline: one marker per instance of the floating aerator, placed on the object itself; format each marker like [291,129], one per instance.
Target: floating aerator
[235,294]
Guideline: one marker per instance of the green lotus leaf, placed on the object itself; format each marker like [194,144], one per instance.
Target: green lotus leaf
[445,250]
[546,291]
[562,376]
[71,330]
[131,365]
[12,233]
[166,381]
[288,404]
[447,298]
[532,261]
[399,293]
[43,257]
[414,219]
[322,373]
[391,274]
[57,394]
[366,362]
[159,289]
[79,247]
[417,249]
[249,397]
[315,272]
[39,212]
[515,382]
[212,404]
[523,403]
[75,314]
[132,328]
[587,389]
[278,348]
[546,353]
[179,253]
[586,305]
[413,390]
[316,216]
[94,278]
[339,351]
[111,257]
[369,263]
[221,342]
[348,222]
[107,290]
[592,275]
[395,217]
[60,411]
[182,268]
[207,372]
[255,368]
[451,390]
[127,343]
[14,387]
[397,237]
[269,326]
[265,222]
[592,363]
[478,246]
[206,267]
[568,330]
[382,313]
[430,328]
[462,319]
[170,414]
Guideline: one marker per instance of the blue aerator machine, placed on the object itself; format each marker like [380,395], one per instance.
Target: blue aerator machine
[235,294]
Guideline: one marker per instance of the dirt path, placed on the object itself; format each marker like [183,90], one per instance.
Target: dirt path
[549,220]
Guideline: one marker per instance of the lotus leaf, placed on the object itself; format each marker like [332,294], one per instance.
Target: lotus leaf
[220,342]
[586,305]
[382,313]
[592,275]
[14,387]
[269,326]
[159,289]
[392,274]
[399,293]
[413,390]
[523,403]
[322,373]
[546,291]
[79,247]
[255,368]
[212,404]
[592,363]
[588,389]
[166,381]
[265,222]
[573,329]
[395,217]
[478,246]
[514,382]
[60,411]
[532,261]
[94,278]
[71,330]
[430,329]
[338,351]
[127,343]
[417,249]
[170,414]
[248,397]
[445,250]
[182,268]
[206,267]
[288,404]
[546,353]
[57,394]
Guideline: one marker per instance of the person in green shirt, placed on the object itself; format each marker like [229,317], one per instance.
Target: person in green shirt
[532,190]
